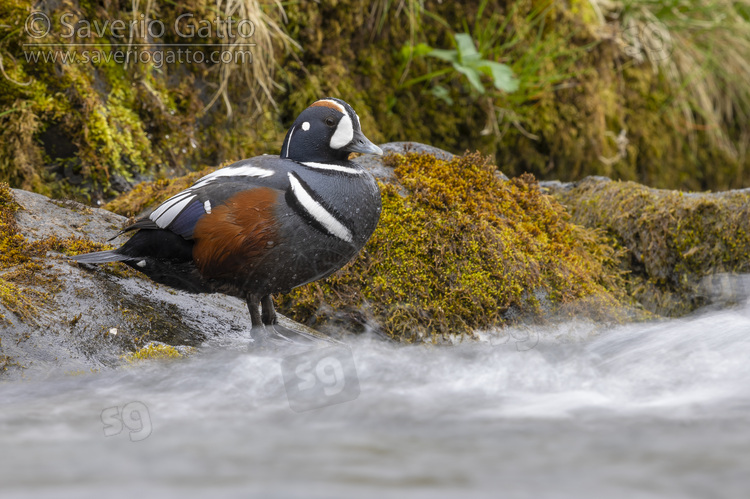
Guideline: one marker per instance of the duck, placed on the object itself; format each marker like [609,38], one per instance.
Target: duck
[264,225]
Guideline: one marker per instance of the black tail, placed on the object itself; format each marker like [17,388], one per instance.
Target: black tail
[162,255]
[101,257]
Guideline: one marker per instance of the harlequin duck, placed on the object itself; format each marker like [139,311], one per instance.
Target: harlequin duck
[267,224]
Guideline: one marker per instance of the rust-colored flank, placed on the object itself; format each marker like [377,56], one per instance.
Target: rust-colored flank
[234,236]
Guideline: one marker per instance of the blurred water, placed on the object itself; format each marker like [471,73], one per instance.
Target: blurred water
[578,410]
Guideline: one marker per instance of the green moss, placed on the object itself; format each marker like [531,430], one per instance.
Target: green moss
[6,361]
[24,280]
[672,240]
[464,250]
[155,351]
[16,301]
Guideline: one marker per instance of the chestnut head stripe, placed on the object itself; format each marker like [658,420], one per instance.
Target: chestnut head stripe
[329,103]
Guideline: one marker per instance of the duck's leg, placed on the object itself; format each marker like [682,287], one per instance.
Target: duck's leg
[269,313]
[253,302]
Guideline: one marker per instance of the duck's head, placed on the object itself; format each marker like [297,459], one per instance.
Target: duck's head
[326,131]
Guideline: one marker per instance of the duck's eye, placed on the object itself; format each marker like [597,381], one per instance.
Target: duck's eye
[330,121]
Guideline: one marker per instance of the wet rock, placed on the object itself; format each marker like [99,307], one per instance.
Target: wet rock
[74,318]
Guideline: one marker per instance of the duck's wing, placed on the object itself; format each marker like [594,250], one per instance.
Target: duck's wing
[181,212]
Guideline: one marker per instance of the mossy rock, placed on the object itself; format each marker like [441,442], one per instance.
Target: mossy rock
[155,350]
[459,247]
[673,242]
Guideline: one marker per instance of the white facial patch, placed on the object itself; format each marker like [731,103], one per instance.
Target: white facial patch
[318,211]
[344,133]
[305,126]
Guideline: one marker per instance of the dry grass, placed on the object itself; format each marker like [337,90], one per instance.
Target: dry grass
[703,49]
[269,37]
[257,72]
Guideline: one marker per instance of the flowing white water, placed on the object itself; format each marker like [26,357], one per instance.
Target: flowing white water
[637,411]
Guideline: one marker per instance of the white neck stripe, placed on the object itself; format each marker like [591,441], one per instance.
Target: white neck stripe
[318,212]
[334,168]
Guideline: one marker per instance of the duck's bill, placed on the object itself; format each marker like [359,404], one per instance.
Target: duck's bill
[362,144]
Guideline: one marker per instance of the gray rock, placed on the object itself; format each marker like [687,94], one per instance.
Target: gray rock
[42,217]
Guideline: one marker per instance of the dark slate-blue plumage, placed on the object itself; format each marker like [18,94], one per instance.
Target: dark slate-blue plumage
[267,224]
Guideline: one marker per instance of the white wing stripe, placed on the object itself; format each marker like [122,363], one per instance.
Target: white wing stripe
[166,205]
[172,207]
[174,210]
[337,168]
[318,212]
[239,171]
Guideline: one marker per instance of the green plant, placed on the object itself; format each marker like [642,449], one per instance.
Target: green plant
[468,61]
[541,60]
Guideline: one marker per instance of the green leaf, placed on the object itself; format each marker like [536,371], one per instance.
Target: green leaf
[418,50]
[443,94]
[473,76]
[467,51]
[502,75]
[446,55]
[421,49]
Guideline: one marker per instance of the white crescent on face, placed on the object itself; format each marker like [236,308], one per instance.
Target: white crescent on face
[344,133]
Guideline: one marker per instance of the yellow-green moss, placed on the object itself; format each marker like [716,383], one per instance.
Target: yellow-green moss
[672,240]
[154,351]
[80,129]
[464,250]
[16,301]
[23,271]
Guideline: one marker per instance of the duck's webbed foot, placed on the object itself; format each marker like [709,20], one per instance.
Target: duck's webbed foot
[264,319]
[270,337]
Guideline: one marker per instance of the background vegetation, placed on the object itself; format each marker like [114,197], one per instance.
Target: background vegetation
[633,89]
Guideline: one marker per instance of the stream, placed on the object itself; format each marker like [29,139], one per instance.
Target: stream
[658,409]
